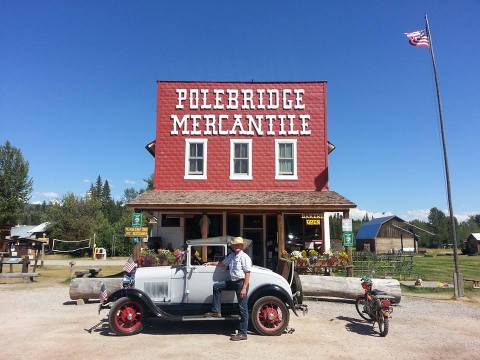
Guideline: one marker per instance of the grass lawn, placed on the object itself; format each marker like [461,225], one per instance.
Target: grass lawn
[440,268]
[51,275]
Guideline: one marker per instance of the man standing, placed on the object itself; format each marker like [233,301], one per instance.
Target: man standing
[239,265]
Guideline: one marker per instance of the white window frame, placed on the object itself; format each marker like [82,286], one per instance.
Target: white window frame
[234,176]
[187,157]
[279,176]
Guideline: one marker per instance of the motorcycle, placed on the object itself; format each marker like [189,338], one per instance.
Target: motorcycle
[374,306]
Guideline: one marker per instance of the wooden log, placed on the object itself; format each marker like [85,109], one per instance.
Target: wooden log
[346,287]
[89,288]
[19,275]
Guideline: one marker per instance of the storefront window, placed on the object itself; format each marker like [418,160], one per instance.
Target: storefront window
[299,235]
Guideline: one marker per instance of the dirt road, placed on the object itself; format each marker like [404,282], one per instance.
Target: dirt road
[41,323]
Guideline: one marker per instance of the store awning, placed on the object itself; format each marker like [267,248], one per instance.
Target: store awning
[242,200]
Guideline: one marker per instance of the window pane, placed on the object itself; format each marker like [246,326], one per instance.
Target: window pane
[286,166]
[244,166]
[199,166]
[199,150]
[192,167]
[237,151]
[244,151]
[289,150]
[193,150]
[282,150]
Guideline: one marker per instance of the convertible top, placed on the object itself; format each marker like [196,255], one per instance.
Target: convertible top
[217,240]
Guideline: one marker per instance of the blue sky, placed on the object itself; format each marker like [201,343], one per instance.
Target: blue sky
[77,87]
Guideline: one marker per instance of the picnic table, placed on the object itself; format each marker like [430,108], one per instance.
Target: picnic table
[25,261]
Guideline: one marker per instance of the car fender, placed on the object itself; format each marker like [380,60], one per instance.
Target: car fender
[144,299]
[271,290]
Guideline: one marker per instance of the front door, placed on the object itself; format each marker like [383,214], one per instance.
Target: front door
[253,230]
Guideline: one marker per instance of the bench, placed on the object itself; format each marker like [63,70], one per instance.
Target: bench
[19,275]
[25,262]
[91,272]
[476,283]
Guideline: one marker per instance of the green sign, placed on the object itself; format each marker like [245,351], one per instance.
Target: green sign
[137,219]
[348,238]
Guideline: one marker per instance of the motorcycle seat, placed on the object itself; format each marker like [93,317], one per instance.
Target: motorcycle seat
[382,294]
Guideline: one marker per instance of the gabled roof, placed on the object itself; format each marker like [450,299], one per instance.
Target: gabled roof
[370,230]
[21,231]
[476,236]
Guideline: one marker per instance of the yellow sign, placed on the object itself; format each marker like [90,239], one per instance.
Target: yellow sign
[312,216]
[136,231]
[312,221]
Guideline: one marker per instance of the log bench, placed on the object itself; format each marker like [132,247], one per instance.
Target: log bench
[476,283]
[30,275]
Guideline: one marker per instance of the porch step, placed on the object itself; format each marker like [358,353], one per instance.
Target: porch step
[203,318]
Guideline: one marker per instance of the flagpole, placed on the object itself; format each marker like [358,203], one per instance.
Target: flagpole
[457,280]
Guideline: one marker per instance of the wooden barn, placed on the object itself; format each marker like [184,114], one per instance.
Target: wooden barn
[384,235]
[472,244]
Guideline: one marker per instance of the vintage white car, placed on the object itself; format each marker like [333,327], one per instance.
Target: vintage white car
[184,293]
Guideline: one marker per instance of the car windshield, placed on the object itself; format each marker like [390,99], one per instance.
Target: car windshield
[214,253]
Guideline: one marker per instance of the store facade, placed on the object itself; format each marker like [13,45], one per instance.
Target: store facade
[238,158]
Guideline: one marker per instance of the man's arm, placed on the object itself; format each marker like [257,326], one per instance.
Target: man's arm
[243,292]
[214,263]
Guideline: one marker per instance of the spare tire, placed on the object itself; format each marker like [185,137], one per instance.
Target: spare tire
[297,286]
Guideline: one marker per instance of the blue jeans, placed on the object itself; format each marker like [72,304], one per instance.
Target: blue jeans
[242,302]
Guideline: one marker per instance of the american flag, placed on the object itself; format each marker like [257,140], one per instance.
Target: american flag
[103,294]
[130,265]
[418,38]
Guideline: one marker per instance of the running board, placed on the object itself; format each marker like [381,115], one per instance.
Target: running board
[203,318]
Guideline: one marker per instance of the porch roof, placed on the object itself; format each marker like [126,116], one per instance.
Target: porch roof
[244,200]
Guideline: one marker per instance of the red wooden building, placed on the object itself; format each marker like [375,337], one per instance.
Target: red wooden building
[245,158]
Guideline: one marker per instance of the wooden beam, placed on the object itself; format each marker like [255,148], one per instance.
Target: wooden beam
[281,234]
[264,239]
[224,223]
[204,230]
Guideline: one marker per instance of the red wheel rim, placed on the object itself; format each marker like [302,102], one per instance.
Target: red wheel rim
[128,317]
[270,316]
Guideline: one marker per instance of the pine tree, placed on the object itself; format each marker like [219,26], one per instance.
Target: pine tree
[15,184]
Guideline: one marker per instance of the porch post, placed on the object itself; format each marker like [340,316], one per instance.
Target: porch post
[204,236]
[224,223]
[281,234]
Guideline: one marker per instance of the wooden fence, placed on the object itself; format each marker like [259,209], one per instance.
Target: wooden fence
[386,265]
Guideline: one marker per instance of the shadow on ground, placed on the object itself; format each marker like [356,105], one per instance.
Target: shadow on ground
[161,327]
[361,327]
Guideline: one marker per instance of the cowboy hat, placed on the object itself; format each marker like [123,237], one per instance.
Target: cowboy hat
[237,241]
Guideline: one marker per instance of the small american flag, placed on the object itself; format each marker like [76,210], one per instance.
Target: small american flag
[130,265]
[418,38]
[103,294]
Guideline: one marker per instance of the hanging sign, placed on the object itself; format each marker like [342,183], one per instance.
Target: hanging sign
[347,225]
[347,238]
[136,231]
[137,219]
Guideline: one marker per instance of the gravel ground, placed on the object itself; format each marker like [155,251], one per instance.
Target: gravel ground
[41,323]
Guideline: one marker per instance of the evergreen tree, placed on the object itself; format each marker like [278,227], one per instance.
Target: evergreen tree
[15,184]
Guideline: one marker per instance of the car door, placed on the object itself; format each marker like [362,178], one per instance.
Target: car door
[200,280]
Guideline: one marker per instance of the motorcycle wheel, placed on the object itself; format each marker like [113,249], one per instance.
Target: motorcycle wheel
[383,323]
[360,303]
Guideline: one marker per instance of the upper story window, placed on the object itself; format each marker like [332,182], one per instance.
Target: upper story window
[286,159]
[196,159]
[241,159]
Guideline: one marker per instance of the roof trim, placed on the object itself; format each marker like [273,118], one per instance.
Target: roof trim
[244,82]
